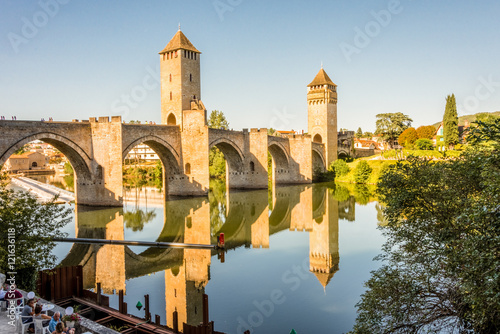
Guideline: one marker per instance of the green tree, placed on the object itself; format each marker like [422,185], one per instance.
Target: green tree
[408,137]
[22,150]
[367,134]
[391,125]
[441,258]
[450,122]
[31,226]
[362,172]
[424,144]
[359,133]
[485,133]
[216,161]
[340,167]
[426,131]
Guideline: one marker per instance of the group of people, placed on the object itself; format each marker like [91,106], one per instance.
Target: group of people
[2,118]
[33,311]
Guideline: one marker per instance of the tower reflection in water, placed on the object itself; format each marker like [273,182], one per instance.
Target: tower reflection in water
[247,219]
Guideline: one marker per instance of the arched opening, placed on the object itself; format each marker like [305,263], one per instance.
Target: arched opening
[278,164]
[317,138]
[49,158]
[252,166]
[187,169]
[318,163]
[226,162]
[149,164]
[171,119]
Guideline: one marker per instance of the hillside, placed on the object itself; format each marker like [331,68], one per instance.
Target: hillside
[470,118]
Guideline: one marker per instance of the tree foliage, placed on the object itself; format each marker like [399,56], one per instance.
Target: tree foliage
[408,137]
[450,122]
[216,160]
[362,172]
[441,258]
[391,125]
[359,133]
[426,131]
[32,225]
[424,144]
[485,133]
[340,167]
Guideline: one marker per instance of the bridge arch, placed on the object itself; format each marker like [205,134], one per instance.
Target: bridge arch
[280,162]
[78,158]
[318,161]
[232,153]
[168,155]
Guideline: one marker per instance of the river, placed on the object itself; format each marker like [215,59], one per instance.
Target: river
[297,256]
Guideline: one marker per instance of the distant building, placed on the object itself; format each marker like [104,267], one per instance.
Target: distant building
[142,152]
[363,144]
[26,161]
[438,139]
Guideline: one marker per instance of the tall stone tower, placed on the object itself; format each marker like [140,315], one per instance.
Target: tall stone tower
[322,113]
[180,79]
[324,242]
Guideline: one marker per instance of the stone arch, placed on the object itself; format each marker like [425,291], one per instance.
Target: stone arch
[232,153]
[318,161]
[77,157]
[317,138]
[280,162]
[171,120]
[167,154]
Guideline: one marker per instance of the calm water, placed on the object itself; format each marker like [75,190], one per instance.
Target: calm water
[297,256]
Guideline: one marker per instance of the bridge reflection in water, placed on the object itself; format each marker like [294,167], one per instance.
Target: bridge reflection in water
[247,219]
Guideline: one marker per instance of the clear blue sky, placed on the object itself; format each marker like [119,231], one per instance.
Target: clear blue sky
[258,56]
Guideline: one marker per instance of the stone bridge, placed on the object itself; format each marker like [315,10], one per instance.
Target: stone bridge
[97,148]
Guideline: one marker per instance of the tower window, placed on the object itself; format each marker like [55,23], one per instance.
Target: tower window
[185,56]
[190,77]
[163,56]
[317,138]
[170,96]
[188,169]
[170,80]
[195,56]
[252,166]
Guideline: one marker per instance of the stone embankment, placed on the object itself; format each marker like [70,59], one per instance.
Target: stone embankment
[42,190]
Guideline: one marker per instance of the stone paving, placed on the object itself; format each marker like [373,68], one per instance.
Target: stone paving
[5,327]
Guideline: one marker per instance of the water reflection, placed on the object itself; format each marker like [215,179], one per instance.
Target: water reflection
[247,219]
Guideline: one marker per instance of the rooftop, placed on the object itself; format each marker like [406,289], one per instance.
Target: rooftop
[321,79]
[179,41]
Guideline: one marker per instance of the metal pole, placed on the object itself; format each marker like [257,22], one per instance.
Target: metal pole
[135,243]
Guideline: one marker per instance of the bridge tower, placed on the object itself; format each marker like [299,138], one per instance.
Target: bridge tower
[324,241]
[180,79]
[322,114]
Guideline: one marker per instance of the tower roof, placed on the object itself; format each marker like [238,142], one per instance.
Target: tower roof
[324,278]
[321,79]
[179,41]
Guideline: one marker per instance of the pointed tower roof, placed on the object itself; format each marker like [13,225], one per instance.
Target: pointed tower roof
[323,278]
[321,79]
[179,41]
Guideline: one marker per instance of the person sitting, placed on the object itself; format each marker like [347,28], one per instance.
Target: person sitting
[27,313]
[60,329]
[56,318]
[3,291]
[13,294]
[40,315]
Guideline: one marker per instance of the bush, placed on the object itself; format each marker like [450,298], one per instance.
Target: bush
[362,172]
[339,167]
[424,144]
